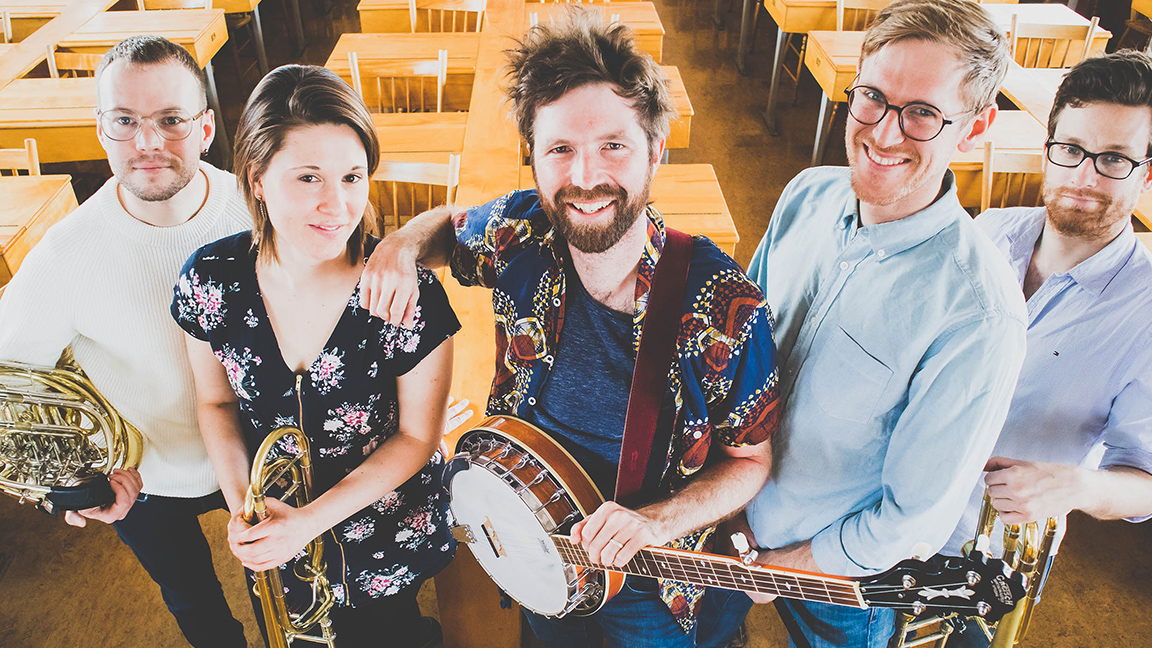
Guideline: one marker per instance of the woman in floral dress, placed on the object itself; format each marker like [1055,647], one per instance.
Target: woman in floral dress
[276,337]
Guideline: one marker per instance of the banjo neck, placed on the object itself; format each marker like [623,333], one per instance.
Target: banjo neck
[710,570]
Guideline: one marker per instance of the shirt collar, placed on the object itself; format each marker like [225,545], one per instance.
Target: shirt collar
[890,239]
[1094,273]
[1098,270]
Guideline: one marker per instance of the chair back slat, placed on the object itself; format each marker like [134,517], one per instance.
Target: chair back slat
[400,85]
[857,15]
[402,190]
[1010,178]
[1050,46]
[27,159]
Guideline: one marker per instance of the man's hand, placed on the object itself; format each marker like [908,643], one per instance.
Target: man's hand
[275,540]
[613,535]
[389,285]
[126,485]
[1025,491]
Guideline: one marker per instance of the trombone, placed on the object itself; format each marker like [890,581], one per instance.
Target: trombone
[270,468]
[1027,549]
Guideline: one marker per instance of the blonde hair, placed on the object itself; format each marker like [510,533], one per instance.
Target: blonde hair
[961,24]
[291,97]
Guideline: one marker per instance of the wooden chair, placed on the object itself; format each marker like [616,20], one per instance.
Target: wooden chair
[447,15]
[856,15]
[1050,46]
[404,189]
[13,161]
[400,86]
[1137,33]
[1013,177]
[71,64]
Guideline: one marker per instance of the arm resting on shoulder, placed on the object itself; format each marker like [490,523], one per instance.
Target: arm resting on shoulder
[389,288]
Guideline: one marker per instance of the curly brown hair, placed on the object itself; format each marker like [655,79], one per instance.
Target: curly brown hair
[577,50]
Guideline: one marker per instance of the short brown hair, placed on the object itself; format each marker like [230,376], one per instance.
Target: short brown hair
[291,97]
[1123,78]
[578,50]
[152,50]
[962,24]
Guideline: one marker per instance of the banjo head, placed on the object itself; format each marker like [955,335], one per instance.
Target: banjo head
[510,502]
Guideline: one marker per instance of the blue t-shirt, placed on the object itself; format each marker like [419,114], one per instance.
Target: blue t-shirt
[584,401]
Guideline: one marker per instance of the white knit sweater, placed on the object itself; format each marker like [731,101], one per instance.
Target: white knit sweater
[101,281]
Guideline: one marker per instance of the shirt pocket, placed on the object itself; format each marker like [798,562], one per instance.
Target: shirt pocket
[848,382]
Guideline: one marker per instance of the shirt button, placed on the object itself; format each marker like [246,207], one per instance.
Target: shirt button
[548,359]
[843,265]
[556,302]
[531,400]
[881,253]
[697,434]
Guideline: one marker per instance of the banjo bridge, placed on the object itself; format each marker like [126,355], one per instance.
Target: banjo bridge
[493,539]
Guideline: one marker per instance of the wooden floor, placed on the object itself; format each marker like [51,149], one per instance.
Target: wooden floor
[81,588]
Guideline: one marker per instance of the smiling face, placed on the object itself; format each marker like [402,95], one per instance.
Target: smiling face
[893,174]
[1080,201]
[316,191]
[593,166]
[147,165]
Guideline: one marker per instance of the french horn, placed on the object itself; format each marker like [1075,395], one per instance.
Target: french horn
[292,472]
[60,438]
[1027,549]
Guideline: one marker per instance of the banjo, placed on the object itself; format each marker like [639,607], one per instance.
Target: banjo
[514,493]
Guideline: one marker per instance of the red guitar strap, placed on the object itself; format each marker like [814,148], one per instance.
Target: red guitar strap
[653,361]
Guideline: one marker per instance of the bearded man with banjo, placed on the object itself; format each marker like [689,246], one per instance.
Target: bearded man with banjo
[571,266]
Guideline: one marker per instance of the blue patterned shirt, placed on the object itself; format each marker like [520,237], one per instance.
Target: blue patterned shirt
[724,379]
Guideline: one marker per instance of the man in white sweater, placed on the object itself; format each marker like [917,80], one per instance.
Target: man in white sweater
[101,281]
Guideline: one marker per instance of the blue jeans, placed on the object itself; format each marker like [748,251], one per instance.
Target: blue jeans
[721,614]
[165,535]
[837,626]
[635,618]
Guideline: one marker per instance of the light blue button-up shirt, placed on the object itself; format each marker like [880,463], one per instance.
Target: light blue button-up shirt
[1087,378]
[900,345]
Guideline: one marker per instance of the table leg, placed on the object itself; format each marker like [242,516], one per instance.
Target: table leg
[261,53]
[223,145]
[298,27]
[746,27]
[719,14]
[777,59]
[821,132]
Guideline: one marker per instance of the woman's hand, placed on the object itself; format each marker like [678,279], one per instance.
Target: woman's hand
[275,540]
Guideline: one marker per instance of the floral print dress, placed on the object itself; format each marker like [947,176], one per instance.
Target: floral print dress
[345,403]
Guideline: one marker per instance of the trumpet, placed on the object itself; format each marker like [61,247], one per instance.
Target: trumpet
[268,469]
[59,437]
[1027,549]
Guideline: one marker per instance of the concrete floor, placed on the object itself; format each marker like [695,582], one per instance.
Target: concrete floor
[81,588]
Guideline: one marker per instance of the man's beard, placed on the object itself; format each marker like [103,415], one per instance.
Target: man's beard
[593,239]
[156,193]
[871,195]
[1079,222]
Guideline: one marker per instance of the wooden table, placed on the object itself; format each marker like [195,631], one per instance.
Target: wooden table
[31,205]
[640,16]
[462,53]
[60,114]
[831,57]
[1033,89]
[1143,211]
[200,31]
[423,133]
[29,15]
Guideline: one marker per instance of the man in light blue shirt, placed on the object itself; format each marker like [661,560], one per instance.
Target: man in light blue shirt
[900,330]
[1087,378]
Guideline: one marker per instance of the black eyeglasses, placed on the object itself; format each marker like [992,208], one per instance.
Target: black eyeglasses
[122,125]
[1109,165]
[918,121]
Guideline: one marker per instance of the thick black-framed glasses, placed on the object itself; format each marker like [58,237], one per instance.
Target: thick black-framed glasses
[172,125]
[918,121]
[1109,165]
